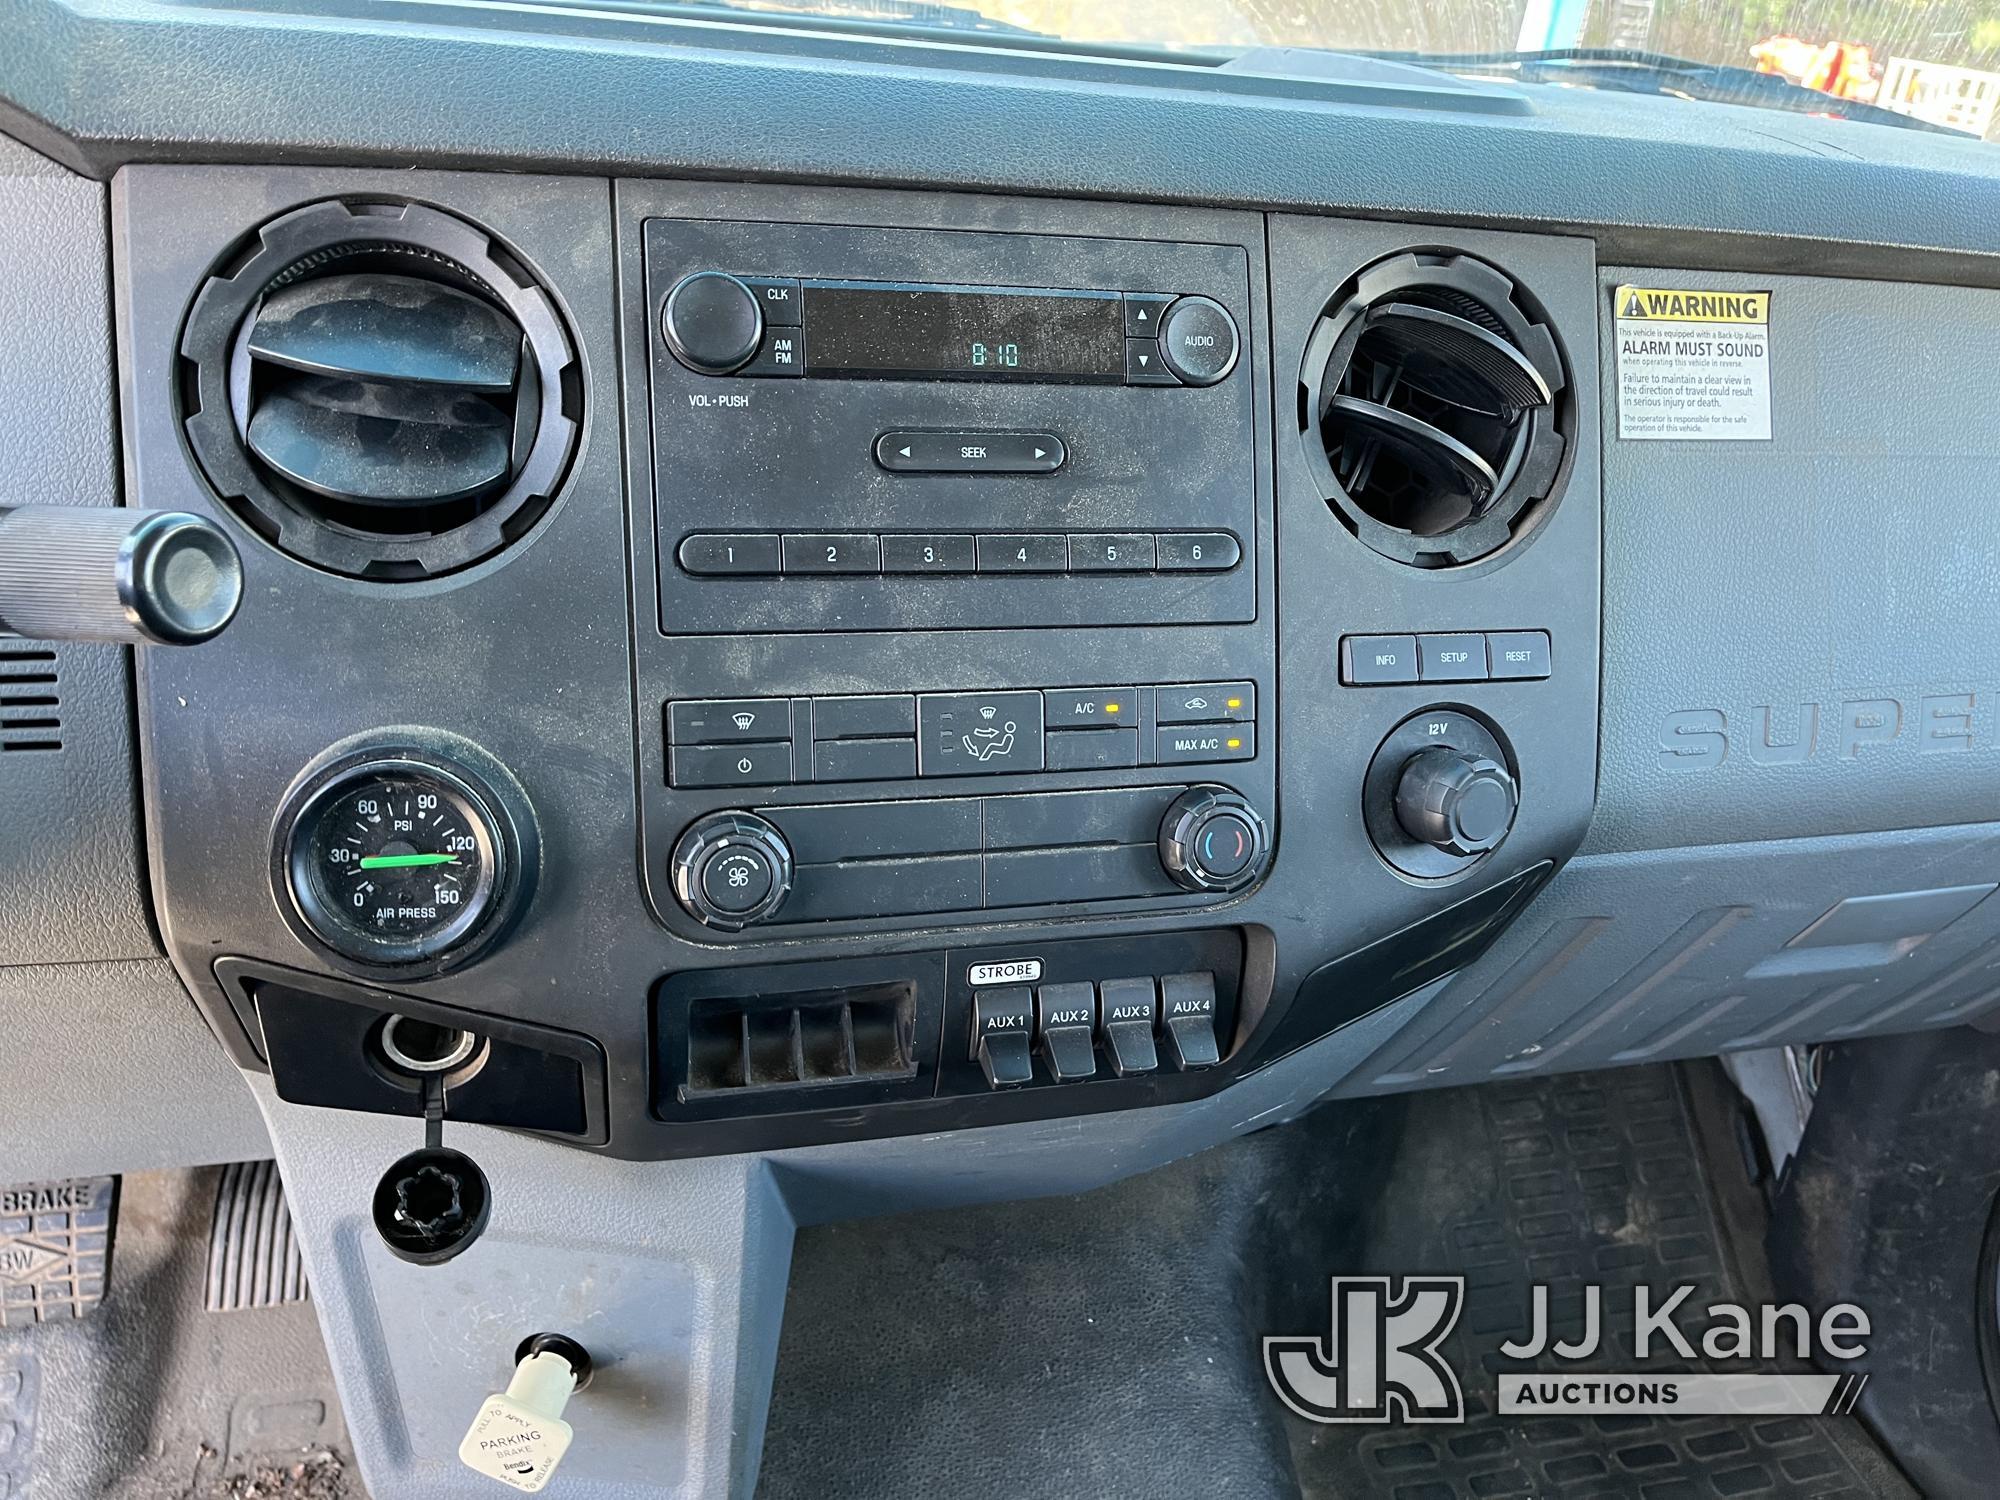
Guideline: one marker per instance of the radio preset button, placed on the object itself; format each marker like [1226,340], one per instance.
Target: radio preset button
[924,552]
[979,734]
[832,552]
[1198,340]
[1023,552]
[970,452]
[1143,365]
[783,352]
[1111,551]
[1143,311]
[731,552]
[1197,552]
[779,298]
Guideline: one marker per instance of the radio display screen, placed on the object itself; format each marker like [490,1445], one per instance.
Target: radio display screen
[963,333]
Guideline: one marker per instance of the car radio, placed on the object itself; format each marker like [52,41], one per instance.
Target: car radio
[895,429]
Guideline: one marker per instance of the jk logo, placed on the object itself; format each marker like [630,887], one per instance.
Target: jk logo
[1380,1362]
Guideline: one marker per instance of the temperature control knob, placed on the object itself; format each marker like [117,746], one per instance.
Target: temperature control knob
[1456,801]
[1212,839]
[732,869]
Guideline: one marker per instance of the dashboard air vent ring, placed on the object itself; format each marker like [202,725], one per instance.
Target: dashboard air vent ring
[380,390]
[1432,409]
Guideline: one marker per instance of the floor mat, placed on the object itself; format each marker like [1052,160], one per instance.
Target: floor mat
[1109,1344]
[152,1397]
[1583,1179]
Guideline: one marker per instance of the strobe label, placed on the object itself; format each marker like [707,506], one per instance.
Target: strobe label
[1006,971]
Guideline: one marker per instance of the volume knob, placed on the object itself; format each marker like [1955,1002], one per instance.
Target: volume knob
[712,322]
[1461,803]
[731,869]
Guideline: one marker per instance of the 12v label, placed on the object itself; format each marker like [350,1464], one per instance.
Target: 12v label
[1694,365]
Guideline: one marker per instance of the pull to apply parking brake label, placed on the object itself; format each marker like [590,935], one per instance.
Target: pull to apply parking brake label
[1694,365]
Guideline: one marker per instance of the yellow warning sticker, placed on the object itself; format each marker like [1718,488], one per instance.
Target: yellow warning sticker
[1694,364]
[1659,305]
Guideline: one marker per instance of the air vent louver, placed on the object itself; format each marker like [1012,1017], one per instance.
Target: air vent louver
[380,390]
[384,391]
[30,703]
[1429,405]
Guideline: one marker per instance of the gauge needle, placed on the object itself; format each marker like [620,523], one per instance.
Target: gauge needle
[405,861]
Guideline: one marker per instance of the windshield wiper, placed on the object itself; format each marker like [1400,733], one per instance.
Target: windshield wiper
[1628,70]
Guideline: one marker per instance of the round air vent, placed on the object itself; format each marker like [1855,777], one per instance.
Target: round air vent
[1432,409]
[380,389]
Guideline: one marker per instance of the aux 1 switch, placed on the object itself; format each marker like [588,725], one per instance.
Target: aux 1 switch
[1066,1023]
[1003,1024]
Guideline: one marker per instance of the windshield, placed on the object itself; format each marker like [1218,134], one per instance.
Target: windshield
[1933,62]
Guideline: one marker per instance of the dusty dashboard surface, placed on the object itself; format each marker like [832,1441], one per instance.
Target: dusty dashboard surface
[1101,630]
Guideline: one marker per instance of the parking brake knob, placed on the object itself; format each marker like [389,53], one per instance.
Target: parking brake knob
[519,1435]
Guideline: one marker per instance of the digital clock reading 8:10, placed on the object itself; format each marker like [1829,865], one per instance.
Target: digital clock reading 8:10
[1002,356]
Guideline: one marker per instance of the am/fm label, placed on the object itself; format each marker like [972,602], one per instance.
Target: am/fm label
[1694,364]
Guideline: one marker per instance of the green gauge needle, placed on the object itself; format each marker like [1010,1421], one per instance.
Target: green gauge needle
[405,861]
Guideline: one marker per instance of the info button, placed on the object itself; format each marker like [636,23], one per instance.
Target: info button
[970,452]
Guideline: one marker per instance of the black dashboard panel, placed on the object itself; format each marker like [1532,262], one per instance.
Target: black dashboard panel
[704,777]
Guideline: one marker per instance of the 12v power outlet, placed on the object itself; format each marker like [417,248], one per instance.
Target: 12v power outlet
[420,1047]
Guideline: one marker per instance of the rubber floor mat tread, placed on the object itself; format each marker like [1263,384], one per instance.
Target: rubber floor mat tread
[253,1256]
[1585,1179]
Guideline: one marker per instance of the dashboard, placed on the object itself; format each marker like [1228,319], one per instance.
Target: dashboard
[871,623]
[936,682]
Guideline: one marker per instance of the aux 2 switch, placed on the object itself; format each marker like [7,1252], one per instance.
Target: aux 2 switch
[1066,1024]
[1003,1022]
[1212,839]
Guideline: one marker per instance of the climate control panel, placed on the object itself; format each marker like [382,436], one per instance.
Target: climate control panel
[852,860]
